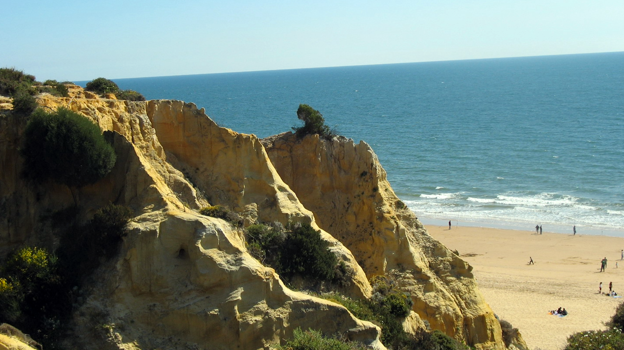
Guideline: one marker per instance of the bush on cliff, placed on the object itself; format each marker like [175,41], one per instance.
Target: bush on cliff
[102,86]
[222,212]
[24,104]
[13,80]
[31,292]
[314,123]
[314,340]
[304,253]
[105,86]
[54,88]
[130,95]
[65,147]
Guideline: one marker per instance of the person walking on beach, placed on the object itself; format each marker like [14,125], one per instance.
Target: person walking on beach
[536,229]
[449,224]
[600,288]
[531,261]
[540,229]
[574,230]
[610,287]
[603,264]
[622,254]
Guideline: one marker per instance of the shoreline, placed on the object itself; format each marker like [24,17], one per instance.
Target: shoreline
[566,274]
[524,226]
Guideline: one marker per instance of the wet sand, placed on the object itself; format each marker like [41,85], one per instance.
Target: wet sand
[566,274]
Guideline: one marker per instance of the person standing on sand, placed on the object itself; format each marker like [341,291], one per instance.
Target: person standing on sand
[610,287]
[600,288]
[622,254]
[536,229]
[540,229]
[603,264]
[449,224]
[574,230]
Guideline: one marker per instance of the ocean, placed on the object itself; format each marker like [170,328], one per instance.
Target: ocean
[506,143]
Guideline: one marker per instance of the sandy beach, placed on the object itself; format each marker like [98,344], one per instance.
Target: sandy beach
[566,274]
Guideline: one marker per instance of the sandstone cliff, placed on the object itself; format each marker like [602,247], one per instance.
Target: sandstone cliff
[183,280]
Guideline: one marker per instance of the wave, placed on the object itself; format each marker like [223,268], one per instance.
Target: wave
[440,196]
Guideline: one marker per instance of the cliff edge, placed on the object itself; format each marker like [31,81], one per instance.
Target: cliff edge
[184,280]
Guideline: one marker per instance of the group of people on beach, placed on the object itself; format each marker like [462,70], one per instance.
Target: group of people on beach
[538,229]
[561,311]
[611,291]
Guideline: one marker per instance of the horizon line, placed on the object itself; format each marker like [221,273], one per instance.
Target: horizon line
[357,65]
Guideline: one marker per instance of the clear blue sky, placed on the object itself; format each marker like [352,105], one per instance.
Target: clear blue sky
[83,40]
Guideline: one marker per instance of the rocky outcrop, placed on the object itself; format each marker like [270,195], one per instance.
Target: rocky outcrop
[346,188]
[183,280]
[12,338]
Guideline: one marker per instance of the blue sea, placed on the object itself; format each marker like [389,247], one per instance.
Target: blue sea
[508,143]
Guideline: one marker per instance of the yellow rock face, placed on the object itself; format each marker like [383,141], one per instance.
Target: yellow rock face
[183,280]
[345,187]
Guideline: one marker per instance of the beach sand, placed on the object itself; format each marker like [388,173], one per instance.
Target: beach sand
[566,274]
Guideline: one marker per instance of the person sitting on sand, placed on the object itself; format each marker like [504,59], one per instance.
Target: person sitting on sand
[563,312]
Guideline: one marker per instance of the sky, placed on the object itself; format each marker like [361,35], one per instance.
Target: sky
[83,40]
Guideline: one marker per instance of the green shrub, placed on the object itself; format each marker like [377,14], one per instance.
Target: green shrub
[13,80]
[396,304]
[314,123]
[81,247]
[55,88]
[265,242]
[102,86]
[617,320]
[24,103]
[65,147]
[129,95]
[31,294]
[314,340]
[222,212]
[611,339]
[306,254]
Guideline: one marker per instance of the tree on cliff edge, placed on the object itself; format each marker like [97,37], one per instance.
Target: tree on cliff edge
[314,123]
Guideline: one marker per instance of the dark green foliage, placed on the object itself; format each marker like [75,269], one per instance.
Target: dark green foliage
[102,86]
[65,147]
[24,103]
[387,308]
[81,247]
[314,340]
[610,339]
[129,95]
[314,123]
[617,320]
[304,253]
[222,212]
[509,332]
[396,304]
[13,80]
[38,290]
[265,243]
[55,88]
[34,301]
